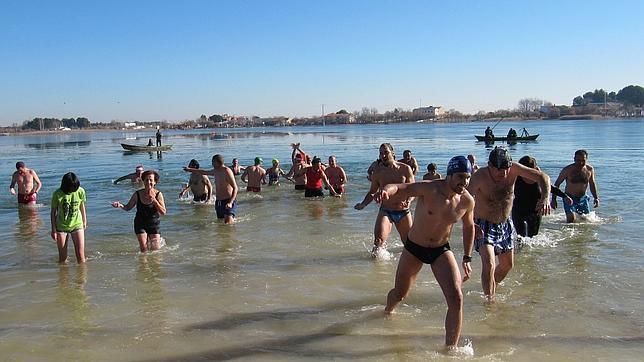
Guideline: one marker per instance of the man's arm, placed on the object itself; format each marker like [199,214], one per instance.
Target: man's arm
[343,176]
[230,179]
[14,179]
[37,182]
[208,184]
[404,191]
[415,163]
[369,196]
[593,187]
[326,183]
[301,172]
[540,177]
[468,240]
[129,175]
[244,176]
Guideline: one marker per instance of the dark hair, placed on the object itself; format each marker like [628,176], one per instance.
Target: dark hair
[316,159]
[150,172]
[581,153]
[193,163]
[19,165]
[528,161]
[407,151]
[218,159]
[70,183]
[431,166]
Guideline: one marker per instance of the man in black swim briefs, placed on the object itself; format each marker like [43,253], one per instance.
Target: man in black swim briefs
[441,203]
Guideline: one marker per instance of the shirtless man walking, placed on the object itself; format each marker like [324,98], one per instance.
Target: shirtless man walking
[578,176]
[254,176]
[394,210]
[298,165]
[336,175]
[440,205]
[493,187]
[225,188]
[199,185]
[28,184]
[410,161]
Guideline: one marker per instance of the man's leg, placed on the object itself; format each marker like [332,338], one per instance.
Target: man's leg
[570,217]
[506,262]
[403,227]
[381,231]
[448,276]
[487,270]
[408,268]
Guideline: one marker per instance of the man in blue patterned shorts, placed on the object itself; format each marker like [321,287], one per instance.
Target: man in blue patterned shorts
[493,187]
[578,177]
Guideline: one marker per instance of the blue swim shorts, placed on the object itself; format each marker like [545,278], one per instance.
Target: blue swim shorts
[500,236]
[580,205]
[222,211]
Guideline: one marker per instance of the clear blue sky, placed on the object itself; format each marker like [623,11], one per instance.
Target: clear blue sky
[156,60]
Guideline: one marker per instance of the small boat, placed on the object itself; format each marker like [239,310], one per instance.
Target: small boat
[508,139]
[136,148]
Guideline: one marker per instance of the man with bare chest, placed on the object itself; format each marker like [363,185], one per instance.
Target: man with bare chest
[199,185]
[493,189]
[28,184]
[578,176]
[441,204]
[225,188]
[254,176]
[394,210]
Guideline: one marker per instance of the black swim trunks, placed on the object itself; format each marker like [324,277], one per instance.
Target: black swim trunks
[425,254]
[201,198]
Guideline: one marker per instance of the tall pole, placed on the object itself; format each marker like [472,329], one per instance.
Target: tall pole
[323,120]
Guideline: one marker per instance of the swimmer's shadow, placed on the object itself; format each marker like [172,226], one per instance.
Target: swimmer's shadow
[295,345]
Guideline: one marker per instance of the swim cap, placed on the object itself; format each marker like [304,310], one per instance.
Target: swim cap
[275,160]
[459,164]
[258,160]
[139,168]
[193,163]
[500,158]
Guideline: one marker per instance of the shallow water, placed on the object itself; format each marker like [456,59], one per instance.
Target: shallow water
[292,279]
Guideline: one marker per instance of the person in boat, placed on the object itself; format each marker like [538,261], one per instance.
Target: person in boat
[150,144]
[493,187]
[28,184]
[199,185]
[394,210]
[525,216]
[431,173]
[150,205]
[158,136]
[578,176]
[254,176]
[440,205]
[512,133]
[489,134]
[135,177]
[524,133]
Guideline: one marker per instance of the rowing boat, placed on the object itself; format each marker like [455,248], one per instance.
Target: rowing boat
[136,148]
[508,139]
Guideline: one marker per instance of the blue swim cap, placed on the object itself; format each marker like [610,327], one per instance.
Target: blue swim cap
[459,164]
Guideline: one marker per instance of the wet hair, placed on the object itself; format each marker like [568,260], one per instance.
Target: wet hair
[193,163]
[388,146]
[316,159]
[19,165]
[333,157]
[500,158]
[528,161]
[406,151]
[219,159]
[581,153]
[233,161]
[431,166]
[151,172]
[69,183]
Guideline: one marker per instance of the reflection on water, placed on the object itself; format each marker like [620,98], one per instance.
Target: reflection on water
[65,144]
[150,295]
[29,223]
[72,298]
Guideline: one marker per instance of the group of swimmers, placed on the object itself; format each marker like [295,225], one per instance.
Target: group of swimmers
[489,201]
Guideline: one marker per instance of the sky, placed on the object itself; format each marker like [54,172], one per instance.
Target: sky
[175,60]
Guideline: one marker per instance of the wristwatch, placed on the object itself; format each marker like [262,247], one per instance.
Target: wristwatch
[467,258]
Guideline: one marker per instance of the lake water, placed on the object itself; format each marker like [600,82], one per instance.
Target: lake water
[293,279]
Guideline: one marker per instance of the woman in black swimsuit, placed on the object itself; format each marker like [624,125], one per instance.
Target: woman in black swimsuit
[149,206]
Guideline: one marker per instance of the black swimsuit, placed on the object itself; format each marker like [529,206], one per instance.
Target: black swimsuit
[425,254]
[146,220]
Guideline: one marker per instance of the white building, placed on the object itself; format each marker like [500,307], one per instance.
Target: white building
[430,112]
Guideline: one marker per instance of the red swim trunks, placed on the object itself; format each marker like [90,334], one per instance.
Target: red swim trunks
[253,189]
[27,198]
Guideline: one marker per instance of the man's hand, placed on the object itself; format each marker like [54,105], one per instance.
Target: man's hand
[12,191]
[596,203]
[467,270]
[543,208]
[359,206]
[380,196]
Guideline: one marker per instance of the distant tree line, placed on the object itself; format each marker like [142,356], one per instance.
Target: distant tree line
[54,123]
[632,95]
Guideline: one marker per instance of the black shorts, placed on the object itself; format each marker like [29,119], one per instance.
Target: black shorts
[201,198]
[425,254]
[313,193]
[300,187]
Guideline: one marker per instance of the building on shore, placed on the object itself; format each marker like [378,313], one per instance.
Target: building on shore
[430,112]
